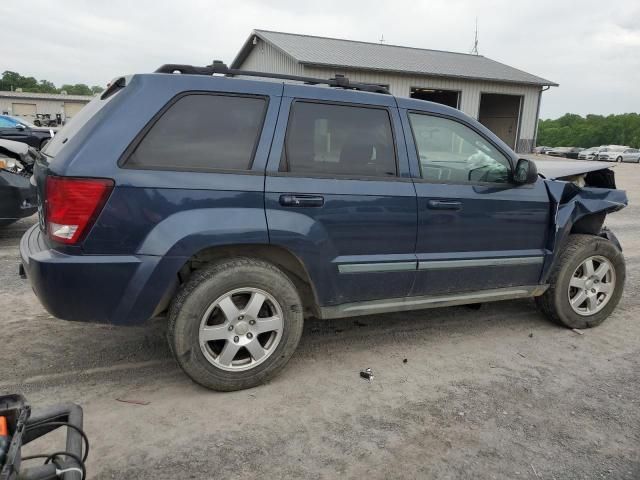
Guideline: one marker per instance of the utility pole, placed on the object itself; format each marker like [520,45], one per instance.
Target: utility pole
[382,40]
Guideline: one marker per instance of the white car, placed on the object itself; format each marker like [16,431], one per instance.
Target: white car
[589,153]
[629,155]
[611,153]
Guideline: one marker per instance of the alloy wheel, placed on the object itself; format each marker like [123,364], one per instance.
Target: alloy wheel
[241,329]
[591,285]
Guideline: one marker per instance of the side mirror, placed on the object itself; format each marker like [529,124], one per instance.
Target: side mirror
[526,172]
[19,126]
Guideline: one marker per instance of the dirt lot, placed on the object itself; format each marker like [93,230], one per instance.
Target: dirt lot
[495,393]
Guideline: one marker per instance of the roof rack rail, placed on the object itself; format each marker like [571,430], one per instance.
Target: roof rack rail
[339,81]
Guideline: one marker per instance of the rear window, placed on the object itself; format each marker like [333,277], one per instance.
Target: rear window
[74,125]
[203,132]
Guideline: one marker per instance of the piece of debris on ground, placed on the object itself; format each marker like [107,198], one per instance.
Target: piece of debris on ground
[367,374]
[134,402]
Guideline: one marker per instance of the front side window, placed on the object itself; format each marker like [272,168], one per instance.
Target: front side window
[330,139]
[451,152]
[203,132]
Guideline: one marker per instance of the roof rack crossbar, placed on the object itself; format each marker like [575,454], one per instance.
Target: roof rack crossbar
[218,67]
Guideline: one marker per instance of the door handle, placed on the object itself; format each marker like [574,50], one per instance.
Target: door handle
[444,205]
[289,200]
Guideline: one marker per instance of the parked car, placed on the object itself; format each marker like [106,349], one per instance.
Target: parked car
[589,153]
[610,153]
[45,120]
[238,208]
[629,155]
[19,130]
[567,152]
[542,150]
[17,194]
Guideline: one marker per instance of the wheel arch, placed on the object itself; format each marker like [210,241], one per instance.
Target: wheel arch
[279,256]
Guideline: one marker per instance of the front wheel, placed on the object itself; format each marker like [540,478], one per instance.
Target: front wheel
[619,159]
[235,324]
[585,284]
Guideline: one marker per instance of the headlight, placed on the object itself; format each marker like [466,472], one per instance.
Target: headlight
[10,164]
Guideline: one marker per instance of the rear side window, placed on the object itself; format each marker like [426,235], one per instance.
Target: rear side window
[203,132]
[330,139]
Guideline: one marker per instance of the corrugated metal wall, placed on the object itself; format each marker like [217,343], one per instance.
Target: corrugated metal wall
[42,105]
[264,57]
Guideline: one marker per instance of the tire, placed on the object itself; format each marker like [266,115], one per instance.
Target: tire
[619,159]
[197,306]
[555,302]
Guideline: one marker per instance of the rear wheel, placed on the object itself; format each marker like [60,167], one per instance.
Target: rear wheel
[586,283]
[235,324]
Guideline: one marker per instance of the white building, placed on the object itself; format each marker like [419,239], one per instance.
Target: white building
[27,105]
[503,98]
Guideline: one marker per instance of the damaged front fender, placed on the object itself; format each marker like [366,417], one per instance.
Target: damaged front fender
[579,210]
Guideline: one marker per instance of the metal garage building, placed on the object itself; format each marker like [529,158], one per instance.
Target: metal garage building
[27,105]
[503,98]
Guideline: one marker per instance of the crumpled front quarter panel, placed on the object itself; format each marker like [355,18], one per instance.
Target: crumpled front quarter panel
[571,203]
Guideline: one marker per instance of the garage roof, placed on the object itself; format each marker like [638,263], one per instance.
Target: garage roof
[337,53]
[46,96]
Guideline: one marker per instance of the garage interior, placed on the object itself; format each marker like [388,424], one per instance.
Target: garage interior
[500,113]
[450,98]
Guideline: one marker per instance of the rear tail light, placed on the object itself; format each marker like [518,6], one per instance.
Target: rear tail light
[72,205]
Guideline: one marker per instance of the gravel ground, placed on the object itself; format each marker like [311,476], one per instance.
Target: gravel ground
[495,393]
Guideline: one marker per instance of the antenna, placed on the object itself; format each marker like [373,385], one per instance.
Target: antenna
[474,50]
[382,40]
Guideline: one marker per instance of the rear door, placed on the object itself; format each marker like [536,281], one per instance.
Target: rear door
[477,230]
[339,196]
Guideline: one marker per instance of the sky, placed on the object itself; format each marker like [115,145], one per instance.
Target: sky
[591,48]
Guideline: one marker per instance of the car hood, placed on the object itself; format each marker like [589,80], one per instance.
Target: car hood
[554,169]
[44,129]
[18,148]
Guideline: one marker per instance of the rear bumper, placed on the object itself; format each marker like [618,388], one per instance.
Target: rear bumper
[116,289]
[17,196]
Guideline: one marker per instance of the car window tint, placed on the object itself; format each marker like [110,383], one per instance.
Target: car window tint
[451,152]
[329,139]
[203,132]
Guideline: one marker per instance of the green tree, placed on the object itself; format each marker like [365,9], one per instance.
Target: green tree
[13,80]
[77,89]
[572,130]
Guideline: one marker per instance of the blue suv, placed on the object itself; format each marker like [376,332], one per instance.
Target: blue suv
[238,207]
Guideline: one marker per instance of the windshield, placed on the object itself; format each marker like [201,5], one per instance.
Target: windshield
[21,120]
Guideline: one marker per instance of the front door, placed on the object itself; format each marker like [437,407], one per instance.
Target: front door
[339,196]
[477,230]
[9,130]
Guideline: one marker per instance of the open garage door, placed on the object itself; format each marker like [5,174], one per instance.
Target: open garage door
[450,98]
[24,110]
[501,114]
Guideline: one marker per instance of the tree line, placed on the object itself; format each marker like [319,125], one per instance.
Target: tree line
[13,80]
[572,130]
